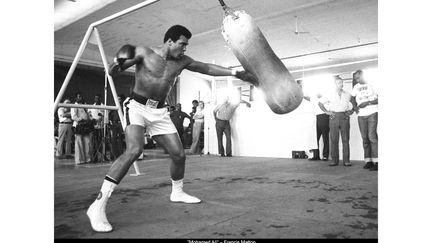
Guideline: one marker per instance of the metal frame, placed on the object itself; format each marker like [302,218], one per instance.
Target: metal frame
[92,35]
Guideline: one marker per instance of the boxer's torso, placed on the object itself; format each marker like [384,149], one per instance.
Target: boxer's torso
[155,76]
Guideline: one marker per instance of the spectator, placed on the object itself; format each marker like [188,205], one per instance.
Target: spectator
[312,134]
[82,136]
[322,129]
[223,113]
[177,117]
[194,107]
[192,113]
[366,97]
[64,144]
[339,108]
[96,115]
[197,128]
[118,144]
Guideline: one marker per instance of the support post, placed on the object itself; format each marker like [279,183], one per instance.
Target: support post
[113,90]
[73,66]
[92,30]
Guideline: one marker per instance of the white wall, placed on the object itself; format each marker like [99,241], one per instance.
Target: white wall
[257,131]
[192,86]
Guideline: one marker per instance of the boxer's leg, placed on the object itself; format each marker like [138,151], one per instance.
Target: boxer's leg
[172,144]
[134,147]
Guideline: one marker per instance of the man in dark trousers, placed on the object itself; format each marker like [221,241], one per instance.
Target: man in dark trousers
[177,117]
[223,113]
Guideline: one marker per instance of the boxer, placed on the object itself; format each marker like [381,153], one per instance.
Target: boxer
[156,69]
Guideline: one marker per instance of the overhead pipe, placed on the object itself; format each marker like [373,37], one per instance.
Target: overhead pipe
[320,52]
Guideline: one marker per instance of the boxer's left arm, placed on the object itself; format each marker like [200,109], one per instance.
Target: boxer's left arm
[216,70]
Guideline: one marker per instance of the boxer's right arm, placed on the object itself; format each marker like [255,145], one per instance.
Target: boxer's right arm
[127,56]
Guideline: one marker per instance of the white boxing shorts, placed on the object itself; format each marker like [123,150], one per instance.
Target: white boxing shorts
[156,120]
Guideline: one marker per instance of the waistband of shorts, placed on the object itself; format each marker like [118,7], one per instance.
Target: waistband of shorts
[339,112]
[143,100]
[65,122]
[220,120]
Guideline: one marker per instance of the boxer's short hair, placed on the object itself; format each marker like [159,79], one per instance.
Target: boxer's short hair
[174,33]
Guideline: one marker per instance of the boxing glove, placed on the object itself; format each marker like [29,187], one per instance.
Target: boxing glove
[126,52]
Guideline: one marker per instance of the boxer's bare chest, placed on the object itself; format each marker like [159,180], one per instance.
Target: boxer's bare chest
[155,76]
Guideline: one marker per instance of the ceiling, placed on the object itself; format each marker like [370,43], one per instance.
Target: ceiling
[341,33]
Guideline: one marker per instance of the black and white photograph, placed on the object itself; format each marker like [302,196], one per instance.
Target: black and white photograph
[216,119]
[221,121]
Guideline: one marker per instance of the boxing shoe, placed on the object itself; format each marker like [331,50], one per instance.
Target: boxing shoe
[96,211]
[178,195]
[181,196]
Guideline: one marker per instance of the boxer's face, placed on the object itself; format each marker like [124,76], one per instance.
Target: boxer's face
[178,48]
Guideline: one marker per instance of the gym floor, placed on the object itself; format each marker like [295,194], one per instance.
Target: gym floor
[242,197]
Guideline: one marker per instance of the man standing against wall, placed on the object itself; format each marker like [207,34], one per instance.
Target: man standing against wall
[366,105]
[223,113]
[339,108]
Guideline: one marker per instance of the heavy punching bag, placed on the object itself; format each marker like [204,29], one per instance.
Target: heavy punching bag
[249,45]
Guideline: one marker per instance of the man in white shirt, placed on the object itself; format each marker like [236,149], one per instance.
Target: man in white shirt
[339,107]
[64,143]
[82,141]
[96,136]
[222,114]
[366,106]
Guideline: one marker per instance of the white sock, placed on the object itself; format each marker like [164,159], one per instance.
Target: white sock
[108,187]
[178,195]
[177,186]
[96,211]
